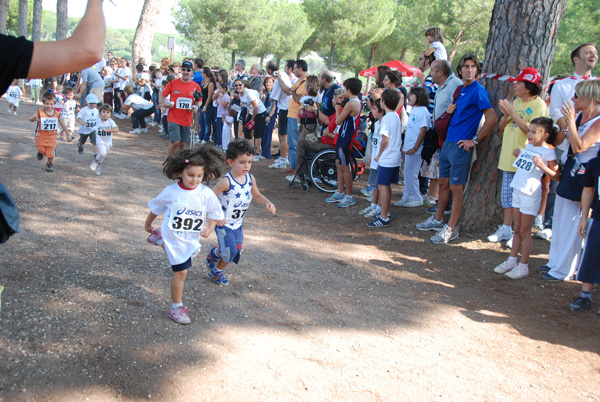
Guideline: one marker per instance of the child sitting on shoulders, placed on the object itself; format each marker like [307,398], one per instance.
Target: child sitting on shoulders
[235,192]
[434,43]
[104,138]
[48,120]
[536,159]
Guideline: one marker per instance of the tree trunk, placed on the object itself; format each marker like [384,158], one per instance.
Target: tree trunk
[403,53]
[144,33]
[330,61]
[262,59]
[278,61]
[456,44]
[23,18]
[62,19]
[514,42]
[3,15]
[233,60]
[36,28]
[374,48]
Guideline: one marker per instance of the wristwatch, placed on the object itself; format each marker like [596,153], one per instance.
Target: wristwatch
[475,140]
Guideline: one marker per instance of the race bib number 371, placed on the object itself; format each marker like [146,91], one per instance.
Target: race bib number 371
[186,219]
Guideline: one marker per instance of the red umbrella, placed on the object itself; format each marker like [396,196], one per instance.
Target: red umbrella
[406,69]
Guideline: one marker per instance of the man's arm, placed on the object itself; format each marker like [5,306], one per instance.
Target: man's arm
[84,48]
[286,90]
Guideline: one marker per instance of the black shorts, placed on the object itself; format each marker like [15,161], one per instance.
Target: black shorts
[282,125]
[342,155]
[182,266]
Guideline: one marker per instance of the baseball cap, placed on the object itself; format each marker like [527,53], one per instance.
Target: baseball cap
[527,74]
[187,64]
[91,98]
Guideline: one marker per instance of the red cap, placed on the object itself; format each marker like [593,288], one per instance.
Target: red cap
[527,74]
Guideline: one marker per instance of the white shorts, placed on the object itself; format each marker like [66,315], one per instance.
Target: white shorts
[527,204]
[69,122]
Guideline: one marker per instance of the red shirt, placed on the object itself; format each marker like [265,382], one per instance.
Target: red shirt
[331,127]
[182,94]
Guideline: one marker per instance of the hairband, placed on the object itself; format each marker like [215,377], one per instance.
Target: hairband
[187,161]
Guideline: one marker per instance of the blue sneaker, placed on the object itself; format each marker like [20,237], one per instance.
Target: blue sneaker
[348,201]
[336,197]
[378,222]
[211,257]
[218,277]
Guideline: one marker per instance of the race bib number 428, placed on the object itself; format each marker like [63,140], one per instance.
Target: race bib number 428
[186,219]
[525,160]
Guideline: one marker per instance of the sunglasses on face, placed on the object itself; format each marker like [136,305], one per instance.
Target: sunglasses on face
[238,85]
[186,69]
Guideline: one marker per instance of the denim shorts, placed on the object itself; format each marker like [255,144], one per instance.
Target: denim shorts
[506,195]
[230,243]
[455,163]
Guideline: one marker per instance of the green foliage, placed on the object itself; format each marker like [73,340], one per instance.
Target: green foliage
[579,25]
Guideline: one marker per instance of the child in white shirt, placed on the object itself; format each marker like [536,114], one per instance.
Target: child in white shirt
[227,126]
[104,138]
[13,95]
[434,43]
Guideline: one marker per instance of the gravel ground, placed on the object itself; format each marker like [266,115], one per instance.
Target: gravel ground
[320,308]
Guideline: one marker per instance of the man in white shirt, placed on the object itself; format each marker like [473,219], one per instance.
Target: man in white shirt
[283,101]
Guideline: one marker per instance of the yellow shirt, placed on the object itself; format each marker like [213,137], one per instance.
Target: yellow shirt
[513,136]
[300,88]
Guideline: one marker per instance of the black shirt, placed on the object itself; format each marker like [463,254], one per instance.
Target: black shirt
[592,179]
[16,59]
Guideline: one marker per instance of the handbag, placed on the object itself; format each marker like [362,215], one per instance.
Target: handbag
[570,185]
[442,123]
[430,145]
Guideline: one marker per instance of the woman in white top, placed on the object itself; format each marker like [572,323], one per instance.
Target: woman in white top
[584,139]
[257,113]
[142,108]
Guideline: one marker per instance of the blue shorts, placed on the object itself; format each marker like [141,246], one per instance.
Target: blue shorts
[230,243]
[342,155]
[455,163]
[182,266]
[387,175]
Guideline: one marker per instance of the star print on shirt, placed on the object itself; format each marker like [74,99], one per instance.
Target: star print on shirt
[247,193]
[238,195]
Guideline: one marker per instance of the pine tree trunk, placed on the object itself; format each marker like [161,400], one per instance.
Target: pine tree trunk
[36,28]
[456,44]
[522,34]
[330,61]
[3,15]
[144,34]
[403,53]
[262,59]
[23,18]
[62,19]
[374,48]
[233,60]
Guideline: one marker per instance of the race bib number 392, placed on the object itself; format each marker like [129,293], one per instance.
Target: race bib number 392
[186,219]
[525,160]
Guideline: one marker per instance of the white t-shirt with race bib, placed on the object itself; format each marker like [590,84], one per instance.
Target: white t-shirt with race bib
[185,211]
[236,200]
[13,94]
[102,136]
[68,110]
[528,177]
[89,118]
[248,97]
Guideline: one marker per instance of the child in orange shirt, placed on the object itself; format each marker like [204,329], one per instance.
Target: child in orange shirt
[48,120]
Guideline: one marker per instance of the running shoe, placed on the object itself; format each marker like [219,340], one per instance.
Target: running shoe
[218,277]
[179,315]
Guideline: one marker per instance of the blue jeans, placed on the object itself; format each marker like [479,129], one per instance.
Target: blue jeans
[157,116]
[293,134]
[218,131]
[138,117]
[206,119]
[267,136]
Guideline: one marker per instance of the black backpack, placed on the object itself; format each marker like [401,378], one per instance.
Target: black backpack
[430,145]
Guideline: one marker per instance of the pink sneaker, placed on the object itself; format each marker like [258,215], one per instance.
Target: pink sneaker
[156,237]
[179,315]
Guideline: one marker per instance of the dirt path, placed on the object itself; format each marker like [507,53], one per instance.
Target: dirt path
[320,308]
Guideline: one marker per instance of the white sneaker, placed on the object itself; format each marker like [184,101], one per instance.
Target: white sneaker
[279,164]
[293,177]
[93,165]
[539,222]
[260,157]
[501,234]
[366,191]
[518,272]
[505,267]
[545,234]
[99,170]
[144,130]
[255,158]
[136,131]
[161,130]
[366,210]
[409,204]
[373,214]
[509,243]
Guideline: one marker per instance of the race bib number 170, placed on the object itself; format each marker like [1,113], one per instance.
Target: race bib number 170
[184,103]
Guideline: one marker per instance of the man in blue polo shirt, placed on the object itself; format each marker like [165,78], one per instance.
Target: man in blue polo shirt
[457,151]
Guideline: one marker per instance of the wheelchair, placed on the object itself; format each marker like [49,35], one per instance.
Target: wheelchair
[322,172]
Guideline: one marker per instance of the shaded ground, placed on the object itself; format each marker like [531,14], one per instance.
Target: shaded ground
[321,308]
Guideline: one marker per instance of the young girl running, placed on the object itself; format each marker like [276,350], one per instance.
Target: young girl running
[106,128]
[235,192]
[187,205]
[536,159]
